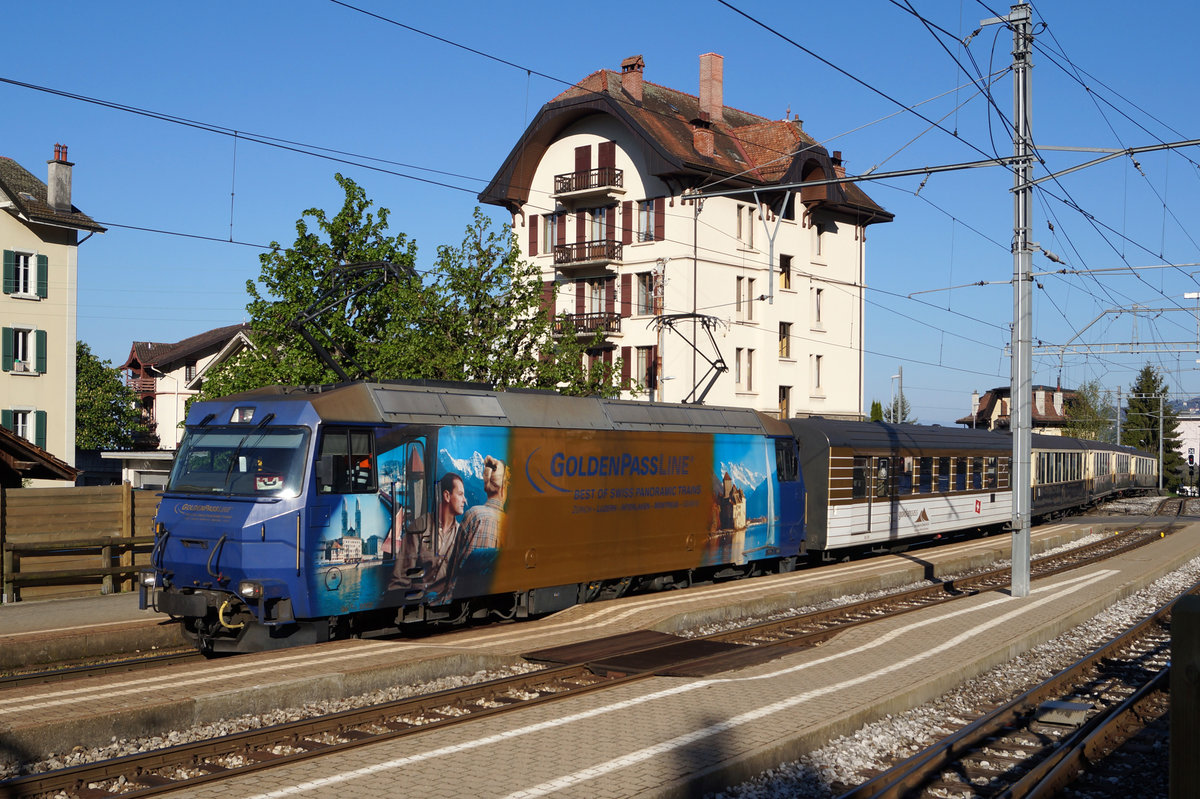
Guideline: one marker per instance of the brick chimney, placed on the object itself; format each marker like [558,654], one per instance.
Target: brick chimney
[712,88]
[631,77]
[58,181]
[839,168]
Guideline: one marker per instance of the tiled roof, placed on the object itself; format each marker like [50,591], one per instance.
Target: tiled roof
[1045,415]
[159,355]
[20,459]
[748,149]
[28,195]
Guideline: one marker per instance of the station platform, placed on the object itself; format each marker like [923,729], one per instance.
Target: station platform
[661,737]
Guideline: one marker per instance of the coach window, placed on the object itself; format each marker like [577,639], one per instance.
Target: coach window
[926,476]
[904,476]
[883,483]
[977,473]
[960,474]
[858,479]
[993,471]
[346,464]
[943,475]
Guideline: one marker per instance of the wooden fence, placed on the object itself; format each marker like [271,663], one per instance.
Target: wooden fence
[74,541]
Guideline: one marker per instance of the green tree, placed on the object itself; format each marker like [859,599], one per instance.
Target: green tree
[876,411]
[476,316]
[1143,427]
[106,410]
[898,411]
[1089,414]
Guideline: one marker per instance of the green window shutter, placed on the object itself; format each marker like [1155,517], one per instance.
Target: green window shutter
[6,419]
[39,345]
[43,276]
[6,349]
[39,428]
[10,271]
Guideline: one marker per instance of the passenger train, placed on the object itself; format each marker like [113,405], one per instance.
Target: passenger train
[298,515]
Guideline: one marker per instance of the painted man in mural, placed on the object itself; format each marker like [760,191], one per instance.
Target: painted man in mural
[481,525]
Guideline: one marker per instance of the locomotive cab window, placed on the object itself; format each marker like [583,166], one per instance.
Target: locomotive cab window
[786,461]
[346,464]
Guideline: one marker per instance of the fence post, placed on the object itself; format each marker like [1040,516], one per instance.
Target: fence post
[127,530]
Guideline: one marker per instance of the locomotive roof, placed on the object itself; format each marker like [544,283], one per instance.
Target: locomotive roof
[433,403]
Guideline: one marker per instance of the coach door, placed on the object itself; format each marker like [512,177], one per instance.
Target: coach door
[881,510]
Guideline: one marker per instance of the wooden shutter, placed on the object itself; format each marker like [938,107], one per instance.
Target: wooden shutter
[625,353]
[10,271]
[626,295]
[39,345]
[660,218]
[6,349]
[606,154]
[6,420]
[533,223]
[560,228]
[583,158]
[39,428]
[580,288]
[548,297]
[610,295]
[43,276]
[580,226]
[610,220]
[627,222]
[652,378]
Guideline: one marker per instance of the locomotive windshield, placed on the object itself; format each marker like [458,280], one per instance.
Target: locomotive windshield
[260,462]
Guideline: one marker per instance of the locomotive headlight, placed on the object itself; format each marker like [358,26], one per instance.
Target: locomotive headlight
[250,589]
[147,577]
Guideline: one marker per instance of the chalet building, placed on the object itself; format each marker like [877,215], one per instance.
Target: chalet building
[40,237]
[602,188]
[993,410]
[166,375]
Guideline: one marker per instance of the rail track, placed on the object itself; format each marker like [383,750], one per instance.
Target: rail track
[1039,742]
[573,669]
[64,672]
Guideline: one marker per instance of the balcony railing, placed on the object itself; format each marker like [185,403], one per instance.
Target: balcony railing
[587,324]
[600,178]
[589,253]
[142,385]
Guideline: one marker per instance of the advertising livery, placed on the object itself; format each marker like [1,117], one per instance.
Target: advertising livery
[291,513]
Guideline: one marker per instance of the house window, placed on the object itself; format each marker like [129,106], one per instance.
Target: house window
[22,277]
[818,240]
[737,367]
[22,350]
[645,293]
[595,296]
[749,370]
[737,300]
[645,220]
[745,225]
[817,364]
[28,424]
[785,339]
[749,299]
[599,224]
[189,371]
[785,271]
[550,223]
[20,424]
[818,301]
[645,366]
[785,402]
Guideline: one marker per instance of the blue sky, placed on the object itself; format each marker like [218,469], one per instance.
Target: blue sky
[322,74]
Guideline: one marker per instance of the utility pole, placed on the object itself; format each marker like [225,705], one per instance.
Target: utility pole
[1022,333]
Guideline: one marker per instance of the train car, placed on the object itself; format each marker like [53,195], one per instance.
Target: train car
[296,515]
[881,486]
[1061,480]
